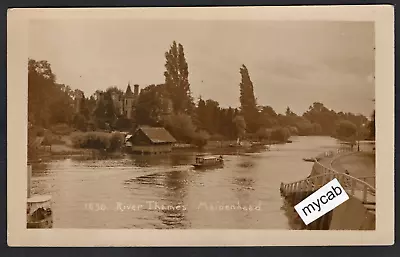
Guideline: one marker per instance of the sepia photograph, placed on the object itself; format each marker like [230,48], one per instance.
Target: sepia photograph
[200,124]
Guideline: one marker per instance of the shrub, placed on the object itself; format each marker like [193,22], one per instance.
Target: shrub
[47,140]
[181,127]
[280,134]
[346,129]
[116,141]
[240,125]
[40,133]
[293,131]
[215,137]
[123,124]
[98,140]
[61,129]
[79,122]
[304,128]
[263,133]
[200,138]
[91,140]
[251,136]
[317,129]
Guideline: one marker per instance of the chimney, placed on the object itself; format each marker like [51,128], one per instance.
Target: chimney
[136,90]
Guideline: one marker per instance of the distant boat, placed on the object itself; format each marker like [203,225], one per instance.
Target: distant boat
[255,144]
[309,159]
[208,161]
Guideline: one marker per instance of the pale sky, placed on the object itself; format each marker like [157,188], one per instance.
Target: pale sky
[290,63]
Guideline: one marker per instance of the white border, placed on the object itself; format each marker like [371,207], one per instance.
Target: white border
[17,42]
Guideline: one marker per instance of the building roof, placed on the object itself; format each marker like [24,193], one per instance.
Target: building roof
[128,92]
[128,137]
[208,157]
[157,135]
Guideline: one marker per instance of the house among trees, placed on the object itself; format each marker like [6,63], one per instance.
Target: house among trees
[151,140]
[124,103]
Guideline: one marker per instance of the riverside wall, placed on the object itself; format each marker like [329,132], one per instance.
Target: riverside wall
[350,215]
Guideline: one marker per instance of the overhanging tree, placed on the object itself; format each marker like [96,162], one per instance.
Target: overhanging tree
[48,101]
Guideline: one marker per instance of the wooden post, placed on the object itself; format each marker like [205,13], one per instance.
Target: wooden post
[322,180]
[365,193]
[318,182]
[338,177]
[309,185]
[29,181]
[353,185]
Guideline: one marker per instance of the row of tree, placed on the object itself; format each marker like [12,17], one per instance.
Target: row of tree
[171,105]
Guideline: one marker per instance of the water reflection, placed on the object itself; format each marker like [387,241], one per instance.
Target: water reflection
[182,158]
[148,160]
[246,164]
[151,179]
[174,215]
[172,159]
[171,191]
[247,178]
[244,183]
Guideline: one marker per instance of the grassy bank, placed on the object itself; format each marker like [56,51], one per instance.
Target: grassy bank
[109,142]
[63,141]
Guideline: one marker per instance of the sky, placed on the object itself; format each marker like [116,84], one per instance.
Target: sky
[291,63]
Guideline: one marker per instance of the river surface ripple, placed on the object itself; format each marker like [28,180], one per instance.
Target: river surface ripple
[165,192]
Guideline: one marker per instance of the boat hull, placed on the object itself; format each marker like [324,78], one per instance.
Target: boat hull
[208,166]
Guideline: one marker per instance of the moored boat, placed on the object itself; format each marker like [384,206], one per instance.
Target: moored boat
[208,162]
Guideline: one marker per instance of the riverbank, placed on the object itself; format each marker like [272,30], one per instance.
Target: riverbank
[59,151]
[65,146]
[360,165]
[356,213]
[232,144]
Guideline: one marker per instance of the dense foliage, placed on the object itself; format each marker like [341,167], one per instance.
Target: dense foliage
[54,106]
[49,102]
[177,79]
[98,140]
[346,129]
[248,101]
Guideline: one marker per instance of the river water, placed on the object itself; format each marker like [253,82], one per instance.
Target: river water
[166,192]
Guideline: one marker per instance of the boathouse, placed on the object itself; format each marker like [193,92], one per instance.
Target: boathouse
[151,140]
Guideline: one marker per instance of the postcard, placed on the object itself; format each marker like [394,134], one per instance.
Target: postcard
[217,126]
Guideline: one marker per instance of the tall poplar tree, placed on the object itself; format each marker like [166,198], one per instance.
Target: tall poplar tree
[248,101]
[177,79]
[202,114]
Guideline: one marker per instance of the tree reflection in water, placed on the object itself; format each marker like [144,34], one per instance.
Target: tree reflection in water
[170,203]
[174,215]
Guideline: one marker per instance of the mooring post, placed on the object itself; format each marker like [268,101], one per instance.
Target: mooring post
[29,181]
[353,186]
[365,193]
